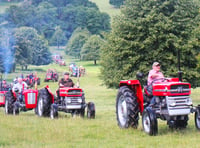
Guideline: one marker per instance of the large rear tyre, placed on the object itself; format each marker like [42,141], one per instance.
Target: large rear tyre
[44,103]
[197,118]
[149,122]
[127,108]
[9,102]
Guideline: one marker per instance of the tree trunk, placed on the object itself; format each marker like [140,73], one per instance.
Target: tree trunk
[95,62]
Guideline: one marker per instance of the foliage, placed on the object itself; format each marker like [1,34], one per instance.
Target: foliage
[46,15]
[58,37]
[149,31]
[90,50]
[76,42]
[30,47]
[116,3]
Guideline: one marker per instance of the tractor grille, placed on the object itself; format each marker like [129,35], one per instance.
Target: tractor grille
[179,105]
[74,92]
[1,98]
[73,100]
[179,89]
[31,98]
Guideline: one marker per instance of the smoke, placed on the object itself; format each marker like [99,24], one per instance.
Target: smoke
[6,50]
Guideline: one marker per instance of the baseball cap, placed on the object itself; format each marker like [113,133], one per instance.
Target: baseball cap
[66,73]
[156,64]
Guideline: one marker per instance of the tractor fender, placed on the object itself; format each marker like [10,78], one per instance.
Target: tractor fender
[51,94]
[137,88]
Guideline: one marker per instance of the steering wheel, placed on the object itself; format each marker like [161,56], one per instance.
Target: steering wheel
[160,79]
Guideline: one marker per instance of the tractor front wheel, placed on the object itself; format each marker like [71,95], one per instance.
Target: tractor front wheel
[197,118]
[9,102]
[127,108]
[53,112]
[149,122]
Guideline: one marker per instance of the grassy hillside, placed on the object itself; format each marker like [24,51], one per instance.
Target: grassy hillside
[4,5]
[104,6]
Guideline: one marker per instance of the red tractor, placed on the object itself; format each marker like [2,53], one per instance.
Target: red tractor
[2,98]
[51,75]
[71,100]
[172,104]
[24,101]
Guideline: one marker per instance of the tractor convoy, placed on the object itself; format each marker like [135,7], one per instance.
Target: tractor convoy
[44,102]
[173,103]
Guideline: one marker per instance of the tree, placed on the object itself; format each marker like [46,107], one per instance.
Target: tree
[116,3]
[90,50]
[149,31]
[30,48]
[58,37]
[76,42]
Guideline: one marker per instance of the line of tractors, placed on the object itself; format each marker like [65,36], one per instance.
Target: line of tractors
[172,103]
[45,103]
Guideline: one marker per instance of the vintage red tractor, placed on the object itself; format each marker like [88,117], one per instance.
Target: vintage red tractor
[51,75]
[172,104]
[24,101]
[71,100]
[2,98]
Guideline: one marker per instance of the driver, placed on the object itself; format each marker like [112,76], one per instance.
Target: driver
[155,73]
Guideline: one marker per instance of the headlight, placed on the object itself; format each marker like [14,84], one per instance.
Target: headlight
[68,100]
[79,100]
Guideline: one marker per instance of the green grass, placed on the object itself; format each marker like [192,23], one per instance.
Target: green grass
[28,130]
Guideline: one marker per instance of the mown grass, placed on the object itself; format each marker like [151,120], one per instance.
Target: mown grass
[29,130]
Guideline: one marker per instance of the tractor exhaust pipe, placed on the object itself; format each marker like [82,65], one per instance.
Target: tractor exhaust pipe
[179,67]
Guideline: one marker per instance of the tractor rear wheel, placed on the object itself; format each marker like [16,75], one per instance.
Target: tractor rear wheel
[127,108]
[149,122]
[9,101]
[44,103]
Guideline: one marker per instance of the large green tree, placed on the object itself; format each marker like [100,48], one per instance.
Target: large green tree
[30,48]
[149,31]
[91,49]
[76,42]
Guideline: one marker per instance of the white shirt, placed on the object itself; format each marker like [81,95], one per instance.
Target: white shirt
[21,86]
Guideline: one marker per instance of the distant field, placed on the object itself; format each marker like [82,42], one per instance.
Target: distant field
[4,5]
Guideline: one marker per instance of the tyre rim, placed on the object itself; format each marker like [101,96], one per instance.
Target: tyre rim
[198,119]
[51,114]
[6,107]
[146,123]
[122,111]
[40,107]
